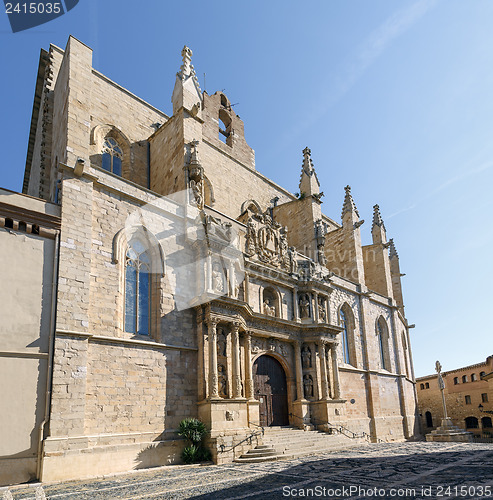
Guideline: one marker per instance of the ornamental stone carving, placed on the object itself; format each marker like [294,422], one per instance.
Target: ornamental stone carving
[267,241]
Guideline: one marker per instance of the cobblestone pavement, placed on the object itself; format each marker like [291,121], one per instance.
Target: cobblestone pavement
[394,470]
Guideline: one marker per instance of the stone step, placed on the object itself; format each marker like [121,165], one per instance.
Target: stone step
[288,442]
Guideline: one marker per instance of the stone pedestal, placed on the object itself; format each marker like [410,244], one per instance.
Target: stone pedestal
[253,411]
[324,412]
[223,415]
[449,432]
[301,414]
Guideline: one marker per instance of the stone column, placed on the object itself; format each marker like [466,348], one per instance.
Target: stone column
[236,361]
[232,279]
[208,278]
[248,366]
[213,381]
[296,314]
[246,286]
[299,371]
[335,372]
[316,316]
[325,384]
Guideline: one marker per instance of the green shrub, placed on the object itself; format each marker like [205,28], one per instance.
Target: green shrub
[204,454]
[192,429]
[189,454]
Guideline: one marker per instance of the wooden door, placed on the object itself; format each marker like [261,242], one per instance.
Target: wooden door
[271,390]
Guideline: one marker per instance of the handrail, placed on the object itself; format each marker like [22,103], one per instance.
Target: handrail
[248,438]
[340,428]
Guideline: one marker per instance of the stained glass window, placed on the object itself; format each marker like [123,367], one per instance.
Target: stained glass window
[137,289]
[112,156]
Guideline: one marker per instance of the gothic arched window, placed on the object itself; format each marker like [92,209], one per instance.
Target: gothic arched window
[345,338]
[112,156]
[383,344]
[137,288]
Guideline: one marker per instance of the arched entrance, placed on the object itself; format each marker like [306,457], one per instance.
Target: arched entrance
[271,390]
[429,419]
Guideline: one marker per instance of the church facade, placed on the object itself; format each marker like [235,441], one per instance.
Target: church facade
[190,285]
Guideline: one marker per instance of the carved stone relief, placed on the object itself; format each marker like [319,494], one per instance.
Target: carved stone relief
[267,240]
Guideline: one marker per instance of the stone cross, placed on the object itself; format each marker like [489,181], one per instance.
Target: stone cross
[441,385]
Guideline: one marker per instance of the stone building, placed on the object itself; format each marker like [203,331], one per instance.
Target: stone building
[468,398]
[190,285]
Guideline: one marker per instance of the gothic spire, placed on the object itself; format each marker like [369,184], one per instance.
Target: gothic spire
[309,184]
[186,92]
[377,217]
[349,206]
[392,251]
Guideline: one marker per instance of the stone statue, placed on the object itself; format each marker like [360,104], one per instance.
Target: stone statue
[269,309]
[306,357]
[221,342]
[293,266]
[223,381]
[304,306]
[197,193]
[251,238]
[217,278]
[308,386]
[322,313]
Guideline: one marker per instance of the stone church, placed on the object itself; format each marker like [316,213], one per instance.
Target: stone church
[165,277]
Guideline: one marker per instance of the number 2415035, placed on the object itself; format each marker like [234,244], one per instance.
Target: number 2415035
[33,8]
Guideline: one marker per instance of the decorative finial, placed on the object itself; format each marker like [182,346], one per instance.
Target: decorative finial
[186,67]
[392,251]
[377,218]
[349,205]
[194,159]
[307,161]
[438,367]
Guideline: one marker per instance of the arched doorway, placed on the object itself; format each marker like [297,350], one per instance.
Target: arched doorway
[429,419]
[271,390]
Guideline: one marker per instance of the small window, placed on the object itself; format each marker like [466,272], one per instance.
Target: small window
[112,156]
[421,386]
[471,423]
[484,397]
[456,380]
[464,379]
[468,400]
[482,374]
[473,377]
[427,385]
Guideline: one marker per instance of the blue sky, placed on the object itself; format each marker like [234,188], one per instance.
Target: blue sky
[393,98]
